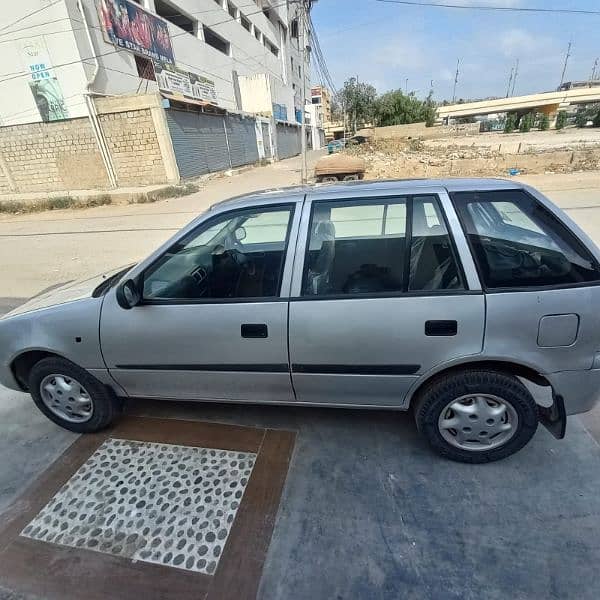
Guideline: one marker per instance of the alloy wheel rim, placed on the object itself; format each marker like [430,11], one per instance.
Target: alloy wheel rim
[478,422]
[66,398]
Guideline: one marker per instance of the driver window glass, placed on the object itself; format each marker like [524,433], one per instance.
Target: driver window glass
[518,243]
[238,255]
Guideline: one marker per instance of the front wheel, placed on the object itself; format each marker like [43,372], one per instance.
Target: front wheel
[476,416]
[71,397]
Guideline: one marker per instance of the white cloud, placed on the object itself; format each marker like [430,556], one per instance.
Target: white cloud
[519,42]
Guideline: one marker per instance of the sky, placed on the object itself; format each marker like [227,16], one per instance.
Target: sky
[384,44]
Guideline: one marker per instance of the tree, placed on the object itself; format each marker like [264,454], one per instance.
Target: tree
[544,122]
[561,119]
[358,101]
[397,108]
[525,125]
[596,119]
[430,110]
[511,123]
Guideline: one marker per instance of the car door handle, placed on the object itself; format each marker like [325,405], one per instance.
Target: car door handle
[447,328]
[254,330]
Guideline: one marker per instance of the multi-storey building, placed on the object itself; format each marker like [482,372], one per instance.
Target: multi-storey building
[233,59]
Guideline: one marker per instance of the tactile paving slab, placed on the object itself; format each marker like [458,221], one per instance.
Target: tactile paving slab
[159,503]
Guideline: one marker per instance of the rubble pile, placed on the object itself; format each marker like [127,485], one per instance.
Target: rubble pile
[387,159]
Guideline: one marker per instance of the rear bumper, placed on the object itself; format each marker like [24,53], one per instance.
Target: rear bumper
[579,389]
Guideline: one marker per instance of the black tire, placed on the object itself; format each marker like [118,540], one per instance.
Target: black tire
[437,395]
[105,405]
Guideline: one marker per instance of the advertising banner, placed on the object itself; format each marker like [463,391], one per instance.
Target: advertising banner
[43,83]
[129,26]
[172,80]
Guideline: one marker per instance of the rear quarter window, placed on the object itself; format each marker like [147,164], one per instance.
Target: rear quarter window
[518,243]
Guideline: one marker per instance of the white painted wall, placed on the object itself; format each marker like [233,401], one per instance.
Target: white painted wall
[260,91]
[51,24]
[67,43]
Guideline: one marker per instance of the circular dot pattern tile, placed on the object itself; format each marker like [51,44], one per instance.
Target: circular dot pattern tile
[158,503]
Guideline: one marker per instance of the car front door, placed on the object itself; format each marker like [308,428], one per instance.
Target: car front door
[212,323]
[382,293]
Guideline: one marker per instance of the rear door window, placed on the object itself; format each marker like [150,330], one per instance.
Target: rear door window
[379,246]
[517,243]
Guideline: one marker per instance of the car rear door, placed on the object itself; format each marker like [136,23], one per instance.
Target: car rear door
[381,294]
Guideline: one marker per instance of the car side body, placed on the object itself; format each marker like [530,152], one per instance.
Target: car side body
[287,333]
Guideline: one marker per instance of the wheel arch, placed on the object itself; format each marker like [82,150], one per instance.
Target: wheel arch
[22,364]
[507,366]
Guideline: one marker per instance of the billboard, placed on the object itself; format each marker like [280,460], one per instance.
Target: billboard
[43,84]
[175,81]
[129,26]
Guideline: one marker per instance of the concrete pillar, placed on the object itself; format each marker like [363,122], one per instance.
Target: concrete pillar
[552,111]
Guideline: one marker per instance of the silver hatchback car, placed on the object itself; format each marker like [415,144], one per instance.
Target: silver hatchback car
[449,297]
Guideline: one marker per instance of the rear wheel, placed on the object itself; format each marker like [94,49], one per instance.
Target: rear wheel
[71,397]
[476,416]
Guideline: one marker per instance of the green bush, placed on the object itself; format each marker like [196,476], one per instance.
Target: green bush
[561,120]
[596,120]
[581,118]
[511,123]
[525,124]
[544,122]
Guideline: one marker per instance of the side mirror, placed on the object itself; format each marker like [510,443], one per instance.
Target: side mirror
[128,294]
[240,234]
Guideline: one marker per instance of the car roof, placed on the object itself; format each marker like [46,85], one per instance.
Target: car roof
[294,192]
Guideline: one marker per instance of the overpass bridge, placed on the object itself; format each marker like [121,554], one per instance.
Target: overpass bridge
[548,102]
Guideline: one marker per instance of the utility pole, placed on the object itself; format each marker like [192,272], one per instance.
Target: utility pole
[512,72]
[595,75]
[406,86]
[302,21]
[355,105]
[562,77]
[455,81]
[512,91]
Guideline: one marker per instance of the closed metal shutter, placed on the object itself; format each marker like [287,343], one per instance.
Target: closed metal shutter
[267,140]
[242,140]
[288,140]
[199,142]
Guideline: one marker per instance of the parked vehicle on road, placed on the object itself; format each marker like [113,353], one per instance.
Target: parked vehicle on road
[335,146]
[453,298]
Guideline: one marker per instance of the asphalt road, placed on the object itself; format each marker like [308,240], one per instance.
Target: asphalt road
[368,511]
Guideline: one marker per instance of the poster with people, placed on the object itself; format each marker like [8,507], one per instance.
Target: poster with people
[43,82]
[129,26]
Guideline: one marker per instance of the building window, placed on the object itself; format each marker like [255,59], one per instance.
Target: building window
[257,33]
[216,41]
[294,28]
[173,15]
[316,100]
[231,9]
[145,68]
[292,58]
[245,23]
[299,71]
[274,49]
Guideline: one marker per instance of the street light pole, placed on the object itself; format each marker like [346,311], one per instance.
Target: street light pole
[302,20]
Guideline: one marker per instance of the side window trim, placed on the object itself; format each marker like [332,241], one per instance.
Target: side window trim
[460,250]
[295,208]
[523,288]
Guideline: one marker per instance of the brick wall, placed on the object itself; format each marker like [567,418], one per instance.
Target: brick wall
[51,157]
[64,155]
[133,146]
